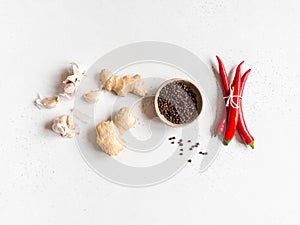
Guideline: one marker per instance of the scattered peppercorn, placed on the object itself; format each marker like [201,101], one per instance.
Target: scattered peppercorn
[203,153]
[190,148]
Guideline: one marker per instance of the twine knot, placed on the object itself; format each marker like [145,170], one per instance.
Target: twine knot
[230,101]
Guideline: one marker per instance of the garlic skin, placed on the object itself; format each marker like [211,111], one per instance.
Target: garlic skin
[72,82]
[64,126]
[47,103]
[78,68]
[93,96]
[124,119]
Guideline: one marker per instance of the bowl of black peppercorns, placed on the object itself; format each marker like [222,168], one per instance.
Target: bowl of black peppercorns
[178,102]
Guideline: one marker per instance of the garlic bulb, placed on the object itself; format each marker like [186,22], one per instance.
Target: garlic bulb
[64,126]
[47,103]
[73,80]
[93,96]
[124,119]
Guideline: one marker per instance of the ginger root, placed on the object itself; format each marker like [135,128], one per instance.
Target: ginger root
[108,132]
[122,85]
[124,119]
[108,138]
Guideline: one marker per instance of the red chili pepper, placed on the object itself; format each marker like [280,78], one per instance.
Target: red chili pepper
[225,84]
[221,126]
[241,125]
[233,104]
[224,77]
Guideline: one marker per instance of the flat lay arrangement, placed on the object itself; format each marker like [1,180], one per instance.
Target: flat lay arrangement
[149,112]
[177,102]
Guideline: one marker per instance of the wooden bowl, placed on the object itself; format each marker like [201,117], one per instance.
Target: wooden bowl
[198,98]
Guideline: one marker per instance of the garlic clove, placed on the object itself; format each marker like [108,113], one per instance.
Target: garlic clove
[50,102]
[70,88]
[93,96]
[47,103]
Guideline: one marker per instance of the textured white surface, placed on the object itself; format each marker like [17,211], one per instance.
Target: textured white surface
[44,180]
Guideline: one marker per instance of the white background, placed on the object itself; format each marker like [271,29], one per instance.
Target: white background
[44,180]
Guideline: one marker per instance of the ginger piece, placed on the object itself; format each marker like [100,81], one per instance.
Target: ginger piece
[105,74]
[64,126]
[108,138]
[122,85]
[108,132]
[124,119]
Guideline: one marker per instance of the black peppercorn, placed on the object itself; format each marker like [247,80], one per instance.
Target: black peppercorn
[177,103]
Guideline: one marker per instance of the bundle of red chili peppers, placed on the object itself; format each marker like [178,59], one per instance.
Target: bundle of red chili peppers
[233,118]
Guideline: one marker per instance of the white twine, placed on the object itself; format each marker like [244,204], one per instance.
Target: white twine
[230,100]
